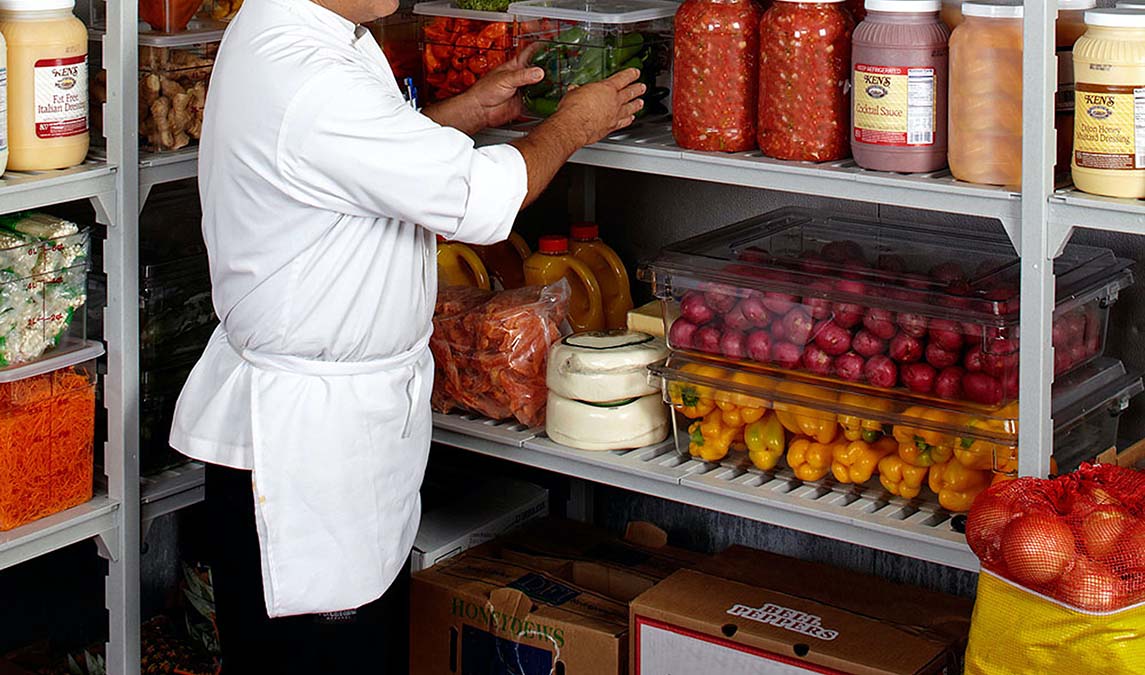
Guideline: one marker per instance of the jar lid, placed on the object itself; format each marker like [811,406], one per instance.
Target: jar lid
[553,243]
[812,2]
[1124,17]
[904,6]
[36,5]
[992,11]
[584,231]
[1076,4]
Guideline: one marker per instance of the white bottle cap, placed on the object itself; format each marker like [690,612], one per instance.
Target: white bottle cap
[903,6]
[992,11]
[1115,18]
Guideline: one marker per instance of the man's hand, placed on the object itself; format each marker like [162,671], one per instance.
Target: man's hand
[600,108]
[493,100]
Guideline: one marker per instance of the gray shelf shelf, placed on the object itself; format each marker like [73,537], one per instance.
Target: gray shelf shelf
[170,490]
[21,191]
[1070,208]
[157,168]
[96,518]
[862,515]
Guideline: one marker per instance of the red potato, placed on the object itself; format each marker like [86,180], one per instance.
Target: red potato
[694,308]
[916,281]
[797,326]
[981,388]
[759,346]
[1005,299]
[681,334]
[842,251]
[939,357]
[918,377]
[866,344]
[720,297]
[881,323]
[813,263]
[753,309]
[891,263]
[997,365]
[819,307]
[849,366]
[707,339]
[1063,360]
[905,349]
[1011,384]
[737,320]
[973,359]
[855,269]
[1077,355]
[847,314]
[786,354]
[948,384]
[972,332]
[832,338]
[1070,329]
[778,331]
[779,303]
[914,325]
[1093,340]
[946,334]
[881,371]
[816,360]
[733,344]
[1001,341]
[947,272]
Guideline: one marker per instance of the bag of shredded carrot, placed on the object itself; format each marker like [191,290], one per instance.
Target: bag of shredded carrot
[1062,587]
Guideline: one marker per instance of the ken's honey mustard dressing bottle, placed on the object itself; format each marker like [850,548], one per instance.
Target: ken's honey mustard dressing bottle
[47,84]
[1109,125]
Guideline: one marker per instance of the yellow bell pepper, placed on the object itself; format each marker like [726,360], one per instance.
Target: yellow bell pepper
[1009,470]
[926,447]
[957,486]
[810,460]
[711,439]
[856,428]
[857,461]
[749,381]
[736,416]
[976,453]
[692,401]
[820,424]
[900,477]
[766,442]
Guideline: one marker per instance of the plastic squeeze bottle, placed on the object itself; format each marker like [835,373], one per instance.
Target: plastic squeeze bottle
[458,265]
[554,262]
[609,270]
[505,261]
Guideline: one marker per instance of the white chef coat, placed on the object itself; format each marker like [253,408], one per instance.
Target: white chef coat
[322,191]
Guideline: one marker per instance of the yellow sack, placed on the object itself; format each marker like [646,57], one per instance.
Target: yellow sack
[1019,632]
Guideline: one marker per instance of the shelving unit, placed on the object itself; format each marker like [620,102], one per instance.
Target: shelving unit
[119,180]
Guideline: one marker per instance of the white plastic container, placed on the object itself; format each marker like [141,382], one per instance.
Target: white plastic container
[3,105]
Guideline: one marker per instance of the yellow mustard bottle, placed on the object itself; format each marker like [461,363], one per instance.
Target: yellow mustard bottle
[1109,124]
[47,84]
[505,261]
[615,289]
[552,263]
[459,265]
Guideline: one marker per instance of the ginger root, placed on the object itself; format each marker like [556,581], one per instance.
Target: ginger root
[172,100]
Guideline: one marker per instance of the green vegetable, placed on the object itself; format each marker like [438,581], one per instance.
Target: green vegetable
[484,5]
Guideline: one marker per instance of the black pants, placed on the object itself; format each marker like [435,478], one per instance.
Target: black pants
[374,640]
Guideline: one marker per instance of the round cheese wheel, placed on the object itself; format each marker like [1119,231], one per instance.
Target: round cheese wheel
[603,366]
[622,425]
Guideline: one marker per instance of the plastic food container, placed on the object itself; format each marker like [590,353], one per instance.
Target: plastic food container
[47,418]
[458,46]
[174,72]
[588,41]
[1070,26]
[397,35]
[924,310]
[221,10]
[823,431]
[986,95]
[159,391]
[176,316]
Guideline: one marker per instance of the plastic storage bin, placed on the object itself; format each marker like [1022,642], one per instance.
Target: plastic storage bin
[221,10]
[176,316]
[397,35]
[888,305]
[458,46]
[586,41]
[47,429]
[823,430]
[159,391]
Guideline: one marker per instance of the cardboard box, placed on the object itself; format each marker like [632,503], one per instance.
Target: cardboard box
[757,613]
[480,614]
[465,514]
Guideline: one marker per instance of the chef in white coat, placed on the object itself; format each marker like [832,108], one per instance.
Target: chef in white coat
[322,192]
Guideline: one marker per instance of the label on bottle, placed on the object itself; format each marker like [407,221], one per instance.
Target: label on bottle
[3,109]
[1063,99]
[61,97]
[1109,128]
[894,105]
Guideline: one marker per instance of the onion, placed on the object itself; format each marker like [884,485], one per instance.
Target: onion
[1037,549]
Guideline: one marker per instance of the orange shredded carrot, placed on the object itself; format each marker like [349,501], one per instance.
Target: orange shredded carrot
[47,428]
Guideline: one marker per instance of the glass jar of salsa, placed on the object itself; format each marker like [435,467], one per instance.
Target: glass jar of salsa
[715,75]
[858,9]
[804,78]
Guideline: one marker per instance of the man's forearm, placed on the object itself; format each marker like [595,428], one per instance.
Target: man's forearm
[546,149]
[457,112]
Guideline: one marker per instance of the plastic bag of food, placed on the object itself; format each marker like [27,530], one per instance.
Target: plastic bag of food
[1062,587]
[491,349]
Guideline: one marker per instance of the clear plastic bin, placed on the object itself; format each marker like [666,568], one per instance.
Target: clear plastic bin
[913,308]
[47,429]
[159,391]
[581,42]
[458,46]
[718,403]
[174,72]
[397,35]
[221,10]
[177,315]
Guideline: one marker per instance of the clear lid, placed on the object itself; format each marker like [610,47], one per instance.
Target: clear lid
[82,351]
[999,10]
[1090,388]
[1124,17]
[904,6]
[598,11]
[447,8]
[1074,5]
[198,31]
[933,270]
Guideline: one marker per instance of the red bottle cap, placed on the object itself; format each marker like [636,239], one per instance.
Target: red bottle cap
[554,243]
[440,239]
[585,231]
